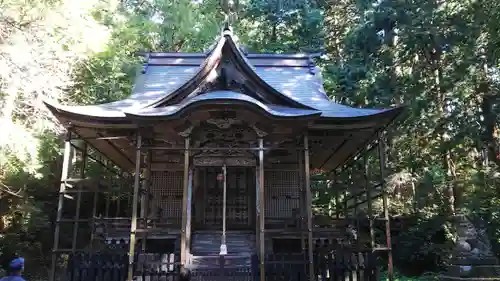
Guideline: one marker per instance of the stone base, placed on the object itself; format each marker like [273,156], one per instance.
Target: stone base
[451,278]
[475,271]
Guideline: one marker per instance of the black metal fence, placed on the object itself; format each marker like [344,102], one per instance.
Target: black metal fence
[328,266]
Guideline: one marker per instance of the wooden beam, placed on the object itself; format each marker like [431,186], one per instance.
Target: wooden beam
[262,211]
[272,148]
[62,187]
[184,202]
[307,187]
[133,223]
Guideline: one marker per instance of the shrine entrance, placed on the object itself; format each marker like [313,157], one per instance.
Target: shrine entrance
[208,198]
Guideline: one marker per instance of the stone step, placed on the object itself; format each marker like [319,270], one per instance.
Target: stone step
[215,262]
[208,243]
[233,274]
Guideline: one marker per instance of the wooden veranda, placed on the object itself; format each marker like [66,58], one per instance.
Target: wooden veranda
[213,155]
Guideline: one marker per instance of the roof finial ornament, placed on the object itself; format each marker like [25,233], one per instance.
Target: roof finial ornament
[230,8]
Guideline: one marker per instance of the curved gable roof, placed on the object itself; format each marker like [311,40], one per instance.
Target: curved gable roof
[291,77]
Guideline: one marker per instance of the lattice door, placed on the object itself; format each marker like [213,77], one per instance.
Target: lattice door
[239,211]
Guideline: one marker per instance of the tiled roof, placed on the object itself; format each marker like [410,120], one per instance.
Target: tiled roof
[223,97]
[291,76]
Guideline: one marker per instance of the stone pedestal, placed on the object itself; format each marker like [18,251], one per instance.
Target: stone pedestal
[472,258]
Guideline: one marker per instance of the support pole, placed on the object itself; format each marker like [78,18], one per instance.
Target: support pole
[107,179]
[133,224]
[302,203]
[337,194]
[262,211]
[189,212]
[385,200]
[368,186]
[95,200]
[257,205]
[62,188]
[83,167]
[145,198]
[223,246]
[184,202]
[308,206]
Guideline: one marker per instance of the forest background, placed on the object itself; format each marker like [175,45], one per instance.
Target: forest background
[439,57]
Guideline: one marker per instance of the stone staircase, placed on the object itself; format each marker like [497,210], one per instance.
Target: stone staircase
[205,249]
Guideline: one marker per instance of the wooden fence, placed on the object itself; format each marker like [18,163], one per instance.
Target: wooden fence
[328,266]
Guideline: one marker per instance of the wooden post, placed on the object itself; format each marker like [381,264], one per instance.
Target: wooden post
[83,167]
[257,206]
[262,211]
[385,200]
[94,215]
[189,212]
[108,194]
[62,188]
[337,199]
[346,211]
[145,198]
[185,202]
[302,203]
[133,223]
[308,206]
[369,195]
[356,208]
[94,211]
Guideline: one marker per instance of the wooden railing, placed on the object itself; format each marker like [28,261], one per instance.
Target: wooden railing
[328,266]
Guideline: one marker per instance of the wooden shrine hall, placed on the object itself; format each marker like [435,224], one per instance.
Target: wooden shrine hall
[216,150]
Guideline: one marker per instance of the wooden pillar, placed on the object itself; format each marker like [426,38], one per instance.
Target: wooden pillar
[262,211]
[308,206]
[185,203]
[133,224]
[257,206]
[189,212]
[107,179]
[369,196]
[145,198]
[95,200]
[83,167]
[346,211]
[337,195]
[62,188]
[302,202]
[385,200]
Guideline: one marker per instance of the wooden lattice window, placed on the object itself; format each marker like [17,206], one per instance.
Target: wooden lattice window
[281,193]
[166,187]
